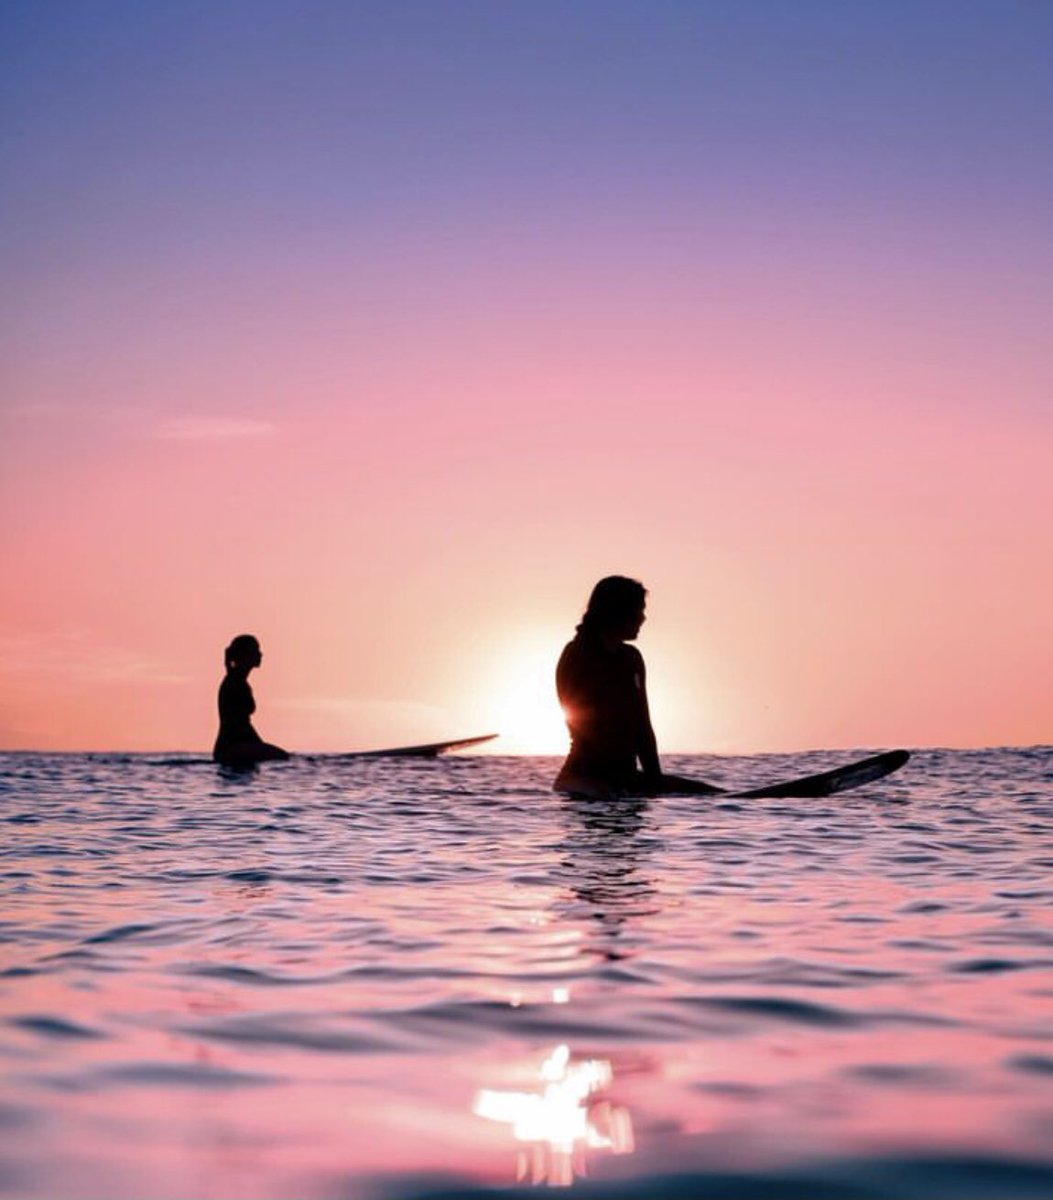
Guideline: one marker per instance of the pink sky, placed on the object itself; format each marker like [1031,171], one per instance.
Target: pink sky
[399,442]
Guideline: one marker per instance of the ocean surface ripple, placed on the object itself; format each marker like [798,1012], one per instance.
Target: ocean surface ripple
[383,979]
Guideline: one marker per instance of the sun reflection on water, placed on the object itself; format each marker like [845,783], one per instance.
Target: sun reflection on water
[558,1123]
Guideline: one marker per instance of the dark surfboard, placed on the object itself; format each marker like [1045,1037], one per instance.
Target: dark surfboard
[840,779]
[427,750]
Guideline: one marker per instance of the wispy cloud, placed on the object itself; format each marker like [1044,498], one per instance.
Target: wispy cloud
[191,427]
[72,409]
[352,708]
[213,428]
[76,655]
[38,408]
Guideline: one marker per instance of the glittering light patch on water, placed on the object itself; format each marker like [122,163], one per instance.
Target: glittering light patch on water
[557,1122]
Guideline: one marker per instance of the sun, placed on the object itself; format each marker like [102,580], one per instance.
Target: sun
[526,711]
[531,721]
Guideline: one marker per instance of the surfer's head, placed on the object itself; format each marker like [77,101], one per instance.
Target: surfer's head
[616,608]
[243,652]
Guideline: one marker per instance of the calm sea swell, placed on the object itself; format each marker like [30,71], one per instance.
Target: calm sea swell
[394,979]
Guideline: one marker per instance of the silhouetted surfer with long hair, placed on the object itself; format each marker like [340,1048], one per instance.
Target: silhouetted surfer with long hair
[602,686]
[238,744]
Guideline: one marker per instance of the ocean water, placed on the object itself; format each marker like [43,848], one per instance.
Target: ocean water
[394,979]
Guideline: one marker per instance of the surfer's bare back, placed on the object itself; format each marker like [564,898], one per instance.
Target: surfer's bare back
[602,686]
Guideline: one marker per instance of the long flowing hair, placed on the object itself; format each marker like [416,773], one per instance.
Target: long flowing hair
[614,600]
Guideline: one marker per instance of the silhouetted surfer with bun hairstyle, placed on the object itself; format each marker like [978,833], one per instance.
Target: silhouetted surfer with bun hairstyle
[602,686]
[238,744]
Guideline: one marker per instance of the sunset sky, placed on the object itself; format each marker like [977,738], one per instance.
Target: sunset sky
[383,330]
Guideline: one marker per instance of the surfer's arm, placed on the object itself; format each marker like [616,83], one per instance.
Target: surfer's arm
[646,742]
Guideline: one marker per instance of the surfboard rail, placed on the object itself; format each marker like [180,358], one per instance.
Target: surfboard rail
[840,779]
[425,750]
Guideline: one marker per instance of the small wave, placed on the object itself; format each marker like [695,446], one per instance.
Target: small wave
[178,762]
[251,875]
[196,1075]
[797,1012]
[15,1116]
[990,966]
[233,973]
[55,1027]
[472,1022]
[1031,1064]
[119,933]
[297,1030]
[910,1075]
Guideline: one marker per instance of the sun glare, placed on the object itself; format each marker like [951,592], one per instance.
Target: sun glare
[526,711]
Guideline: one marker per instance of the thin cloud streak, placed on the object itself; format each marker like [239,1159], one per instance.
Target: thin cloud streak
[358,708]
[75,655]
[206,428]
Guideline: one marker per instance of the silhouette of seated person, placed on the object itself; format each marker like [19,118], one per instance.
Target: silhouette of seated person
[238,744]
[602,685]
